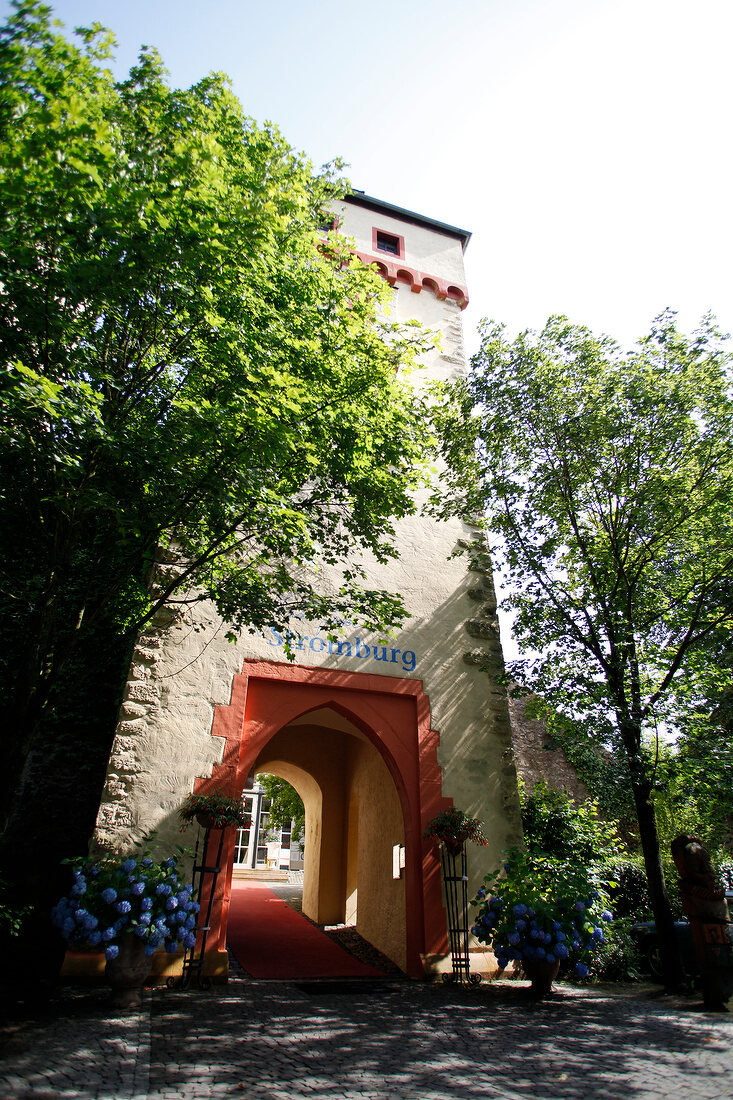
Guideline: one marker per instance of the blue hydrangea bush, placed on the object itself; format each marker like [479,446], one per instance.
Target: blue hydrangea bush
[538,908]
[112,898]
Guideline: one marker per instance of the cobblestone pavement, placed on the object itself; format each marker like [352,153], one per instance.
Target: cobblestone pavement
[386,1041]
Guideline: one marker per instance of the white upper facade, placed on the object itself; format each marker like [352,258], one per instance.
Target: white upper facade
[412,252]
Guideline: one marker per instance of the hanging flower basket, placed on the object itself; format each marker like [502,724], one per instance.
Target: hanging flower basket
[453,828]
[214,810]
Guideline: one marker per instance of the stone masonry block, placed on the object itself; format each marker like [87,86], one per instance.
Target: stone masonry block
[131,729]
[130,710]
[142,692]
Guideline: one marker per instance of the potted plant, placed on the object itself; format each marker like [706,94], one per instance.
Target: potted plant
[540,911]
[453,828]
[213,810]
[129,908]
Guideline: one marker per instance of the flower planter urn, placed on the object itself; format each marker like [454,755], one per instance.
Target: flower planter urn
[541,974]
[127,973]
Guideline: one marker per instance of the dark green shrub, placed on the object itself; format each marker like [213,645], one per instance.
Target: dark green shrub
[617,960]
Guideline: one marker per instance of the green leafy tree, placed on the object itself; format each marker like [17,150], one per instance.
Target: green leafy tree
[199,399]
[607,479]
[555,826]
[286,805]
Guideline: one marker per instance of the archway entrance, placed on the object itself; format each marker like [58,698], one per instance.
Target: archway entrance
[360,751]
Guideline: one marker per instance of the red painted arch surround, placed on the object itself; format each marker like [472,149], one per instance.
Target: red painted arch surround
[394,714]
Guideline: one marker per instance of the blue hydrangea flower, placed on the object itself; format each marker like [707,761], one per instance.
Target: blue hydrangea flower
[123,907]
[79,888]
[109,934]
[112,951]
[95,938]
[109,895]
[560,935]
[481,892]
[597,934]
[145,904]
[144,918]
[149,949]
[147,862]
[579,907]
[550,958]
[520,909]
[141,931]
[605,915]
[171,904]
[581,970]
[138,888]
[514,938]
[128,865]
[170,862]
[520,925]
[189,940]
[163,890]
[561,951]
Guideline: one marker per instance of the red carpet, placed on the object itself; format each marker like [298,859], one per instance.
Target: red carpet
[271,940]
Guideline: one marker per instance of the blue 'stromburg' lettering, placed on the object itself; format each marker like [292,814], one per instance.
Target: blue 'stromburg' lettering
[387,654]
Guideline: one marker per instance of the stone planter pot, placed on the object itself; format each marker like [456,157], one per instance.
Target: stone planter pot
[127,973]
[541,974]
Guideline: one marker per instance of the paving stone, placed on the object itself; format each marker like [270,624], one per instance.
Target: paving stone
[271,1041]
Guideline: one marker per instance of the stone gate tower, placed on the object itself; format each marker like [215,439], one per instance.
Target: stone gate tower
[375,738]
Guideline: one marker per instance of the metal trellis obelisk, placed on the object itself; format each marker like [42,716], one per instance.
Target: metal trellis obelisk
[194,957]
[455,878]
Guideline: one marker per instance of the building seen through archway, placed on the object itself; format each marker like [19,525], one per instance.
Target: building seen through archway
[261,845]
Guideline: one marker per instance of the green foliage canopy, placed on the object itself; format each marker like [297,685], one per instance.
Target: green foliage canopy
[554,826]
[607,480]
[183,364]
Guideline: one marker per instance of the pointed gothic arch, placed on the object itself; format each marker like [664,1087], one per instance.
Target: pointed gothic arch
[393,714]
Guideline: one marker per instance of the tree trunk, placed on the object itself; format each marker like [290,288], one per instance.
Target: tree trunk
[673,970]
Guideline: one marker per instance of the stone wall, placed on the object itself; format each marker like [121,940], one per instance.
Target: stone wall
[537,757]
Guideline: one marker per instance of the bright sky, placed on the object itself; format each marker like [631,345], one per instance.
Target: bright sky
[585,143]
